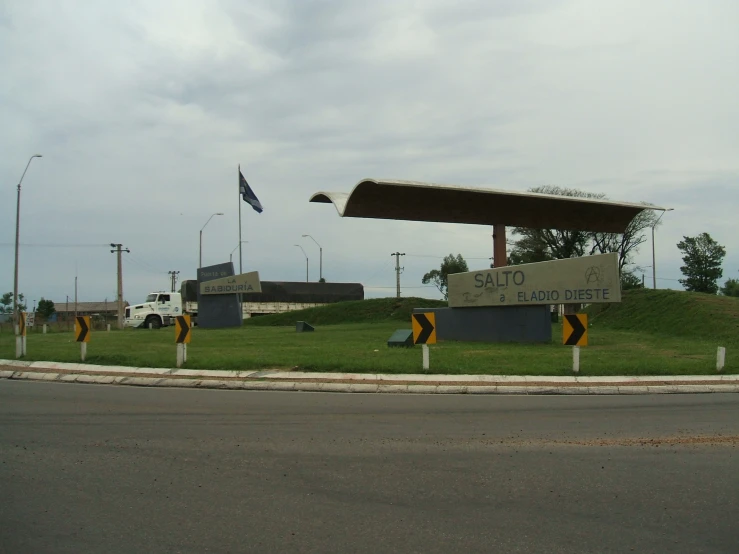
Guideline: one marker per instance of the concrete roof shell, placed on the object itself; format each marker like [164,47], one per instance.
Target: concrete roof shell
[415,201]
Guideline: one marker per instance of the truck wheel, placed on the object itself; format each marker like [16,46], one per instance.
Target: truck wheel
[156,323]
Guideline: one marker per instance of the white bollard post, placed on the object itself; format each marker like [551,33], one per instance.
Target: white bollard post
[180,354]
[83,350]
[576,359]
[108,327]
[720,358]
[184,352]
[18,346]
[425,350]
[23,345]
[44,328]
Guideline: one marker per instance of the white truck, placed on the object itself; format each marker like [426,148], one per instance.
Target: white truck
[159,310]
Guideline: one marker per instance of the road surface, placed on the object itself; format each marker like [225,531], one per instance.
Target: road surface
[107,469]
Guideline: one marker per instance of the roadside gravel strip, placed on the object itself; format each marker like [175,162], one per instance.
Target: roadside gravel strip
[363,382]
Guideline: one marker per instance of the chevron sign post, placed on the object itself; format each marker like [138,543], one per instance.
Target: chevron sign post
[424,333]
[182,337]
[424,328]
[575,330]
[82,331]
[575,334]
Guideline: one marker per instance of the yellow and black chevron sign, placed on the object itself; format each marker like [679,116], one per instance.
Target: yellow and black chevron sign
[22,324]
[82,329]
[182,329]
[575,330]
[424,328]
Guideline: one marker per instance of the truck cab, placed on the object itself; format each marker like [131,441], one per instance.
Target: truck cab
[158,310]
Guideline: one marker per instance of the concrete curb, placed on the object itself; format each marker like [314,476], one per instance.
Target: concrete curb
[276,380]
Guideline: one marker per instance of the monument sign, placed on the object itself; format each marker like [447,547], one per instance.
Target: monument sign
[245,282]
[586,280]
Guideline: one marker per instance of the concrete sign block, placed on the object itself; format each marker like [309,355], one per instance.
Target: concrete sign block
[586,280]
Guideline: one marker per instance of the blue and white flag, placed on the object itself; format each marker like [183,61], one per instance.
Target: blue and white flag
[248,195]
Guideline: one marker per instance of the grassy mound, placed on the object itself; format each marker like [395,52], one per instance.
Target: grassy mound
[672,313]
[360,311]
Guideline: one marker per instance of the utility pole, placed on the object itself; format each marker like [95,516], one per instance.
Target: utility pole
[398,269]
[119,250]
[173,278]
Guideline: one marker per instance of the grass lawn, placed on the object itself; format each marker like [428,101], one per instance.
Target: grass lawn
[362,347]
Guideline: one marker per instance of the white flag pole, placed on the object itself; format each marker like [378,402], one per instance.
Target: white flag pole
[241,269]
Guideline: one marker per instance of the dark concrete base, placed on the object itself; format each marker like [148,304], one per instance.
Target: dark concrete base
[493,324]
[303,327]
[401,338]
[216,311]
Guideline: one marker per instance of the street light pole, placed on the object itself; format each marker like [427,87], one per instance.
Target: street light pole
[17,242]
[654,263]
[231,255]
[306,262]
[200,259]
[320,259]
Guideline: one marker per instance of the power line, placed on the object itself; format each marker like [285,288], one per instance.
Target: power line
[57,245]
[146,265]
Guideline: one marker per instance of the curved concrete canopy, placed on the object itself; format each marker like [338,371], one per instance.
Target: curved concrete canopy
[414,201]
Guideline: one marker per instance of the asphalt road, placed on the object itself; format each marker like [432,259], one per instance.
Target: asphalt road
[88,469]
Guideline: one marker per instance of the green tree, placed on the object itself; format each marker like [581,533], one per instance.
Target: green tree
[702,257]
[626,244]
[438,277]
[46,308]
[540,245]
[529,249]
[630,281]
[6,303]
[730,288]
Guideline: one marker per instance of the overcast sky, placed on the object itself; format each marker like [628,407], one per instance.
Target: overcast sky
[144,109]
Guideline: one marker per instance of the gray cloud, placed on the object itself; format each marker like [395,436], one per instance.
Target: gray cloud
[143,110]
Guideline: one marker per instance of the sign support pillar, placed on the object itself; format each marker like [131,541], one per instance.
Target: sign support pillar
[425,350]
[83,350]
[500,256]
[576,359]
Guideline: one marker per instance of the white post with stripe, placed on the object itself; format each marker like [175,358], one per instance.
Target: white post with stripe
[720,358]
